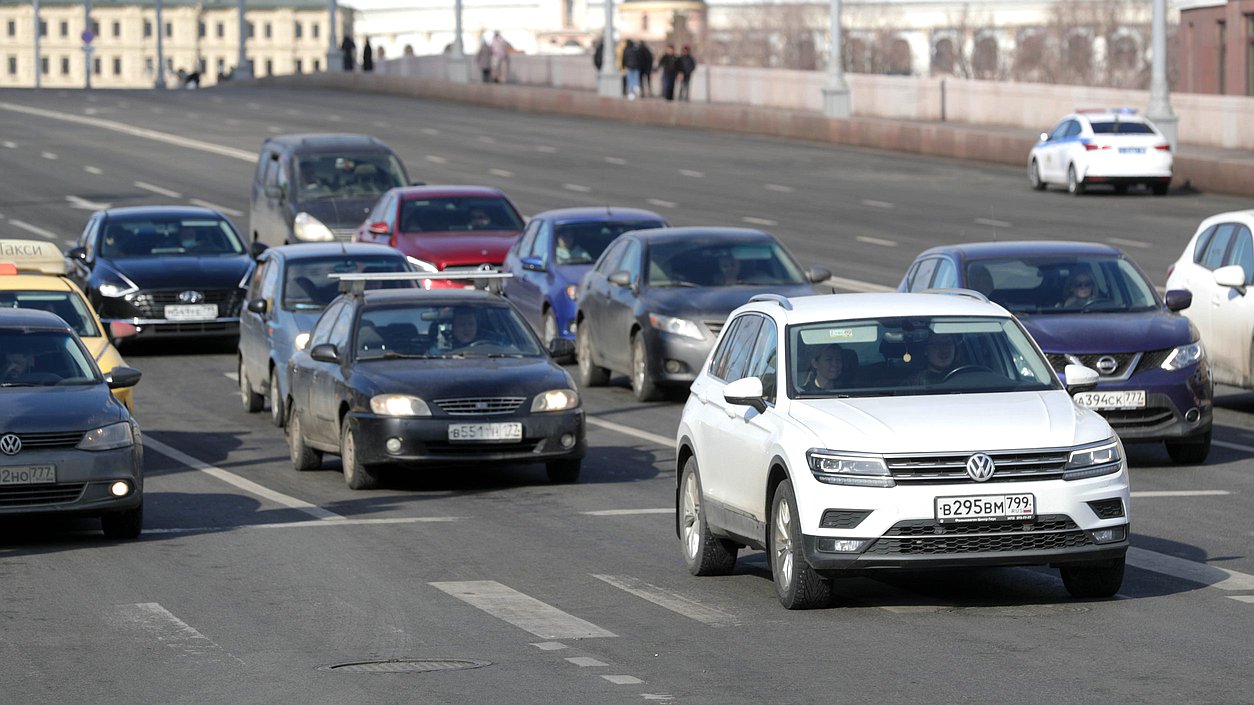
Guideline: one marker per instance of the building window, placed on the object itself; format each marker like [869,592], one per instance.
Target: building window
[148,64]
[202,64]
[95,28]
[314,28]
[147,29]
[13,28]
[169,30]
[1223,58]
[43,28]
[221,30]
[65,66]
[317,66]
[12,65]
[266,29]
[95,65]
[269,67]
[117,66]
[117,29]
[299,66]
[1249,55]
[644,22]
[249,30]
[200,30]
[297,29]
[43,65]
[65,29]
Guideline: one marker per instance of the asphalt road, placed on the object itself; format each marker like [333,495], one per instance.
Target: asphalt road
[250,577]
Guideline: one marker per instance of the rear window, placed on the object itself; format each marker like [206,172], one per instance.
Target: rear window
[583,243]
[428,215]
[308,285]
[1121,127]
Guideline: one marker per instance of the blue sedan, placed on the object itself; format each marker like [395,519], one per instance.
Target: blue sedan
[555,251]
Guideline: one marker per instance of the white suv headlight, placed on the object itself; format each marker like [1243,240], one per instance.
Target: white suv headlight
[838,468]
[555,400]
[398,405]
[679,326]
[309,229]
[1093,461]
[113,436]
[1183,356]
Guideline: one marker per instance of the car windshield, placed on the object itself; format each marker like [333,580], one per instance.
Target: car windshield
[367,175]
[453,213]
[914,355]
[1120,127]
[308,285]
[163,237]
[68,305]
[722,263]
[1062,284]
[471,330]
[43,359]
[583,243]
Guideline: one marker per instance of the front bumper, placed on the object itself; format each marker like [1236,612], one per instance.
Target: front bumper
[82,486]
[427,439]
[675,359]
[1179,404]
[162,328]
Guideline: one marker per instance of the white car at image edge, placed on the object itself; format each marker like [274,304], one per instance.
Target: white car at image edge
[1109,147]
[890,431]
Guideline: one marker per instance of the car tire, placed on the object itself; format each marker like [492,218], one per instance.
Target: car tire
[704,553]
[1093,580]
[1160,189]
[797,585]
[252,401]
[357,475]
[563,472]
[304,458]
[278,411]
[589,374]
[1190,452]
[1034,176]
[642,383]
[1075,186]
[123,525]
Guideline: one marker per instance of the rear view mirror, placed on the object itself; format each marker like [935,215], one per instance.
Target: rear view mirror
[379,228]
[257,248]
[121,329]
[78,253]
[122,377]
[621,278]
[1231,276]
[1079,378]
[325,352]
[562,350]
[258,306]
[818,275]
[1179,299]
[532,264]
[745,392]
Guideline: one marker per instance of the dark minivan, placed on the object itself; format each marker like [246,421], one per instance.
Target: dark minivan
[318,187]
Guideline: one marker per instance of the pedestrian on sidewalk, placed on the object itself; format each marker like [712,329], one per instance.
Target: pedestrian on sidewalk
[687,65]
[668,64]
[631,62]
[500,58]
[646,69]
[367,56]
[483,59]
[349,50]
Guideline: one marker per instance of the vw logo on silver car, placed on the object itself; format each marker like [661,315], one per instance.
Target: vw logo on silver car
[980,467]
[10,444]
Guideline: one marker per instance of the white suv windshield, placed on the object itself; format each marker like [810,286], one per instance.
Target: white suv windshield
[913,355]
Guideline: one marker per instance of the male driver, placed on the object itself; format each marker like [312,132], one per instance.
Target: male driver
[941,354]
[16,364]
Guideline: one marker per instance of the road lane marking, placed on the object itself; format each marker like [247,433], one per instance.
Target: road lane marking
[671,600]
[436,160]
[1212,576]
[578,188]
[305,524]
[994,222]
[214,206]
[856,285]
[50,156]
[663,204]
[586,661]
[93,170]
[170,631]
[158,190]
[628,512]
[232,376]
[615,160]
[876,241]
[487,140]
[1128,243]
[34,229]
[1180,493]
[242,483]
[1249,599]
[759,221]
[133,131]
[779,188]
[501,172]
[549,645]
[253,106]
[430,131]
[877,204]
[380,123]
[10,145]
[522,611]
[692,173]
[546,149]
[86,205]
[623,680]
[274,129]
[629,431]
[1233,446]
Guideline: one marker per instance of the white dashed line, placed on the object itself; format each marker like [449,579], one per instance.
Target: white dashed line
[9,145]
[615,160]
[876,241]
[50,156]
[586,662]
[231,376]
[522,611]
[692,173]
[436,160]
[86,205]
[578,188]
[877,204]
[335,118]
[430,131]
[660,203]
[759,221]
[857,285]
[994,223]
[216,207]
[169,631]
[380,123]
[1248,599]
[158,190]
[501,172]
[550,646]
[628,512]
[253,106]
[232,121]
[1180,493]
[628,430]
[779,188]
[487,140]
[1128,243]
[274,129]
[546,149]
[34,229]
[307,524]
[668,599]
[623,680]
[1233,446]
[1192,571]
[93,169]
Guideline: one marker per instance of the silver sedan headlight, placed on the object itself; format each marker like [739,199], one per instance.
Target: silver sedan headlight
[111,437]
[399,405]
[307,228]
[677,326]
[555,400]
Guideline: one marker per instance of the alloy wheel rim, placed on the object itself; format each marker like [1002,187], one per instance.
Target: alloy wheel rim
[690,515]
[550,328]
[637,365]
[274,397]
[348,455]
[783,545]
[293,437]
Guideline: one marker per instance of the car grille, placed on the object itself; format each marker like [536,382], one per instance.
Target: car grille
[926,537]
[479,406]
[34,495]
[1153,359]
[151,304]
[1125,363]
[714,326]
[66,439]
[1107,508]
[949,468]
[843,518]
[343,234]
[1137,418]
[452,449]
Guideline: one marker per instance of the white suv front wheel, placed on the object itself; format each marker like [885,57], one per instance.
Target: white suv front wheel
[798,586]
[704,553]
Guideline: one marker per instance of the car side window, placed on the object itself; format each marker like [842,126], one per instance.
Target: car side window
[1218,249]
[342,330]
[272,172]
[88,240]
[523,246]
[389,212]
[946,275]
[610,259]
[270,286]
[718,361]
[923,275]
[263,165]
[1059,131]
[631,260]
[540,246]
[254,281]
[1073,128]
[741,348]
[280,176]
[1243,253]
[322,329]
[1203,240]
[765,362]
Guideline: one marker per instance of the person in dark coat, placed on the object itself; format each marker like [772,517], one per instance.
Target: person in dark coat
[668,64]
[349,49]
[367,56]
[598,54]
[631,62]
[646,69]
[687,65]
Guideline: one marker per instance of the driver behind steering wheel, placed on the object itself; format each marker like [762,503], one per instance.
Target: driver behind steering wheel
[942,359]
[467,332]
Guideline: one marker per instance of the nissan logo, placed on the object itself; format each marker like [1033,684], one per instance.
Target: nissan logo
[191,297]
[10,444]
[1107,365]
[980,467]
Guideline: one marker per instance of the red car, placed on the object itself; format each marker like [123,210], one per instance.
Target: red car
[445,228]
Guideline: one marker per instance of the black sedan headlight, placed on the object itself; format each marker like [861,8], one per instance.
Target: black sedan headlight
[555,400]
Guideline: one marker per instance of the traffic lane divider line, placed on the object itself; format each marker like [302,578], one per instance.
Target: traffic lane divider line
[34,229]
[241,483]
[1193,571]
[303,524]
[521,610]
[1180,493]
[170,631]
[670,600]
[629,431]
[628,512]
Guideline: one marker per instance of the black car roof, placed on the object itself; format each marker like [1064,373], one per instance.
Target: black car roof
[990,250]
[31,318]
[702,233]
[328,142]
[166,211]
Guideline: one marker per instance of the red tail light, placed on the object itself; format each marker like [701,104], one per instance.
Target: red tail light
[1090,147]
[1163,147]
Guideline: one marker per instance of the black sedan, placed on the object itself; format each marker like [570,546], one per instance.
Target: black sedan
[168,270]
[656,300]
[67,446]
[408,376]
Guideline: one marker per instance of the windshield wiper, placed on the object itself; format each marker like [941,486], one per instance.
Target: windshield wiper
[22,384]
[506,355]
[392,355]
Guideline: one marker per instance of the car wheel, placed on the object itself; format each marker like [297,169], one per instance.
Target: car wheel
[1191,452]
[550,326]
[641,380]
[277,413]
[589,374]
[304,458]
[1160,189]
[1075,186]
[357,475]
[1088,580]
[123,525]
[1034,176]
[798,586]
[252,401]
[563,472]
[704,553]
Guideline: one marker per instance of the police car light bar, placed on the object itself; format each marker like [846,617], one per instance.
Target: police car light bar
[33,256]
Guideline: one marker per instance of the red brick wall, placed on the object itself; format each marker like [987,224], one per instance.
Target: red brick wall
[1200,52]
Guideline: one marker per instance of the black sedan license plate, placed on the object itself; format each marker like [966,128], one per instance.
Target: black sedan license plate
[472,432]
[28,475]
[993,507]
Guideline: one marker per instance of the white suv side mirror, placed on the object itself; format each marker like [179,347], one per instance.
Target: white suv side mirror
[747,392]
[1079,378]
[1233,275]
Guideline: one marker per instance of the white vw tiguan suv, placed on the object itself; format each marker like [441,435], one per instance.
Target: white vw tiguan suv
[879,431]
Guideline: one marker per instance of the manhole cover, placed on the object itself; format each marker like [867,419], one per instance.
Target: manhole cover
[405,665]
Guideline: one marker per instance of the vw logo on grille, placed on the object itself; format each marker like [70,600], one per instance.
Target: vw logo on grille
[1107,365]
[191,297]
[10,444]
[980,467]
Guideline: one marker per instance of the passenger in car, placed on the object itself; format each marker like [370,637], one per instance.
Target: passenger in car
[941,355]
[1081,290]
[828,368]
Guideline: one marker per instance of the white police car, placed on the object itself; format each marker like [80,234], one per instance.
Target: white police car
[1115,147]
[882,431]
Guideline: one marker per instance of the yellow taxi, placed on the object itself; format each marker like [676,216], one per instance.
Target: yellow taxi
[32,275]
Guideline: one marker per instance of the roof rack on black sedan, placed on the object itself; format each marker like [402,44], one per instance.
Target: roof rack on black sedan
[355,282]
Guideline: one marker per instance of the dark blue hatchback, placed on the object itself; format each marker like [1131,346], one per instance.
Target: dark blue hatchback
[1089,304]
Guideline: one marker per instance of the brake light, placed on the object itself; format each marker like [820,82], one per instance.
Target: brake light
[1090,147]
[8,269]
[1163,147]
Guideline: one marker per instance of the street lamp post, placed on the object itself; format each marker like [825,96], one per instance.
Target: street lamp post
[458,71]
[39,65]
[243,69]
[160,81]
[836,99]
[335,56]
[87,37]
[609,83]
[1159,102]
